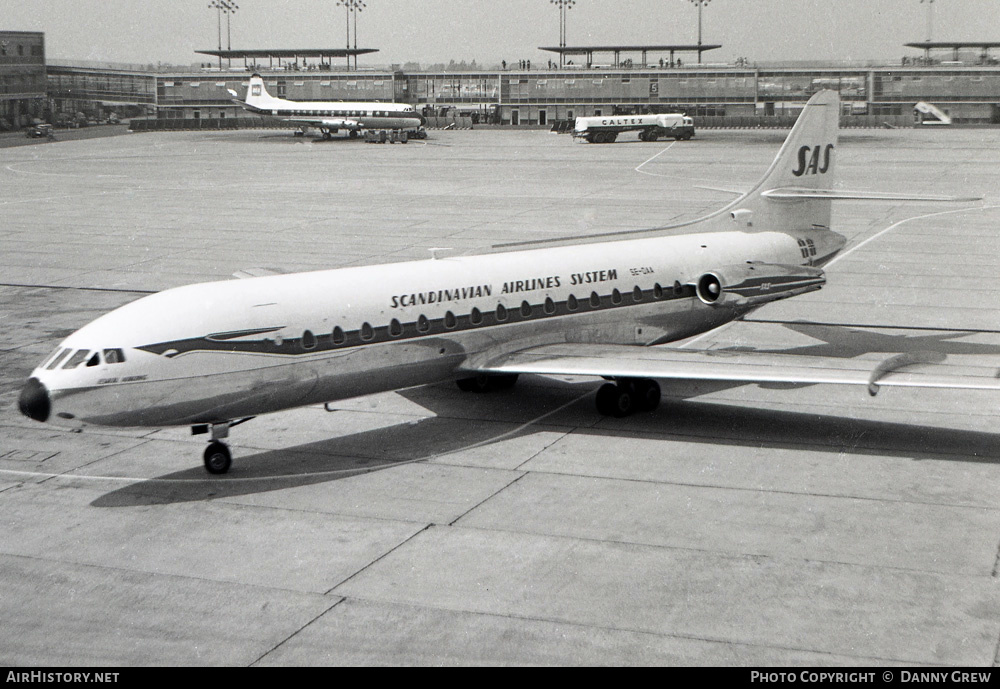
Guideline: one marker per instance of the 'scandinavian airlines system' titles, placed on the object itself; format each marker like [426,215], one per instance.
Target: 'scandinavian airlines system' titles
[214,355]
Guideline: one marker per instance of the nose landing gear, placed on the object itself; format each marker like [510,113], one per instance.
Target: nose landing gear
[218,459]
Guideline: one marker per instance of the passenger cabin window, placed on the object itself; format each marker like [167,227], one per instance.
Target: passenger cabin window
[338,335]
[77,359]
[449,320]
[678,288]
[501,312]
[616,297]
[423,325]
[395,328]
[572,304]
[550,306]
[476,317]
[637,293]
[595,299]
[657,291]
[114,356]
[367,331]
[526,309]
[308,340]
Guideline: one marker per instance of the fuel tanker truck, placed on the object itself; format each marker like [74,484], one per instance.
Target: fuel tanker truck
[604,130]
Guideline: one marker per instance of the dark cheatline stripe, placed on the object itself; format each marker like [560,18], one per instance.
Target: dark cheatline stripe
[430,327]
[451,322]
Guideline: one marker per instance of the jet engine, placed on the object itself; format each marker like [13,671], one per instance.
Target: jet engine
[752,283]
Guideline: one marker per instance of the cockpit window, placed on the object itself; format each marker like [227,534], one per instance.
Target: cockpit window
[94,360]
[77,359]
[114,356]
[57,356]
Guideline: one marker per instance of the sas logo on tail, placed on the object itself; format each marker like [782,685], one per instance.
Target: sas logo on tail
[256,90]
[809,160]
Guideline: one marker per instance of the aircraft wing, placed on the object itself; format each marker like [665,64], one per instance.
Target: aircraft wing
[627,361]
[324,122]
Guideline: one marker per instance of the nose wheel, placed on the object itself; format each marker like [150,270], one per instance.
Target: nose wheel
[217,458]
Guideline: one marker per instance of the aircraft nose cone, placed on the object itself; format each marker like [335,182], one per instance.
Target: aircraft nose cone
[34,400]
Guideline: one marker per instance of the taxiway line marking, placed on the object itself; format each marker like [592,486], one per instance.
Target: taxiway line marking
[637,168]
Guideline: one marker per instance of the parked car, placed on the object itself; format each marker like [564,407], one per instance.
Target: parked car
[40,131]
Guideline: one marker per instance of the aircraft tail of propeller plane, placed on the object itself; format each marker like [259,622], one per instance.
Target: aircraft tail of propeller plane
[213,355]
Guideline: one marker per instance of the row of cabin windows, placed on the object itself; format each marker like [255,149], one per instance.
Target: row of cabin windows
[63,356]
[367,332]
[344,113]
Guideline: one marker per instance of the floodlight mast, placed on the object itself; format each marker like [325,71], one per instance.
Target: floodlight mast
[930,18]
[218,6]
[347,17]
[229,7]
[564,7]
[356,7]
[700,4]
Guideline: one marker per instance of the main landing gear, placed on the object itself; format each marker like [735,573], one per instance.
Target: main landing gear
[217,456]
[627,396]
[483,382]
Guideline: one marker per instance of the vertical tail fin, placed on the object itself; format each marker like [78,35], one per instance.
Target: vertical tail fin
[257,95]
[806,161]
[807,158]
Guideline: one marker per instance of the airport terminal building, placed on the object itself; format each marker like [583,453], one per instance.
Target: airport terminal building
[23,87]
[968,90]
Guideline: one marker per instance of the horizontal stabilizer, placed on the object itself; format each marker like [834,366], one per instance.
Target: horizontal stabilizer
[257,273]
[797,194]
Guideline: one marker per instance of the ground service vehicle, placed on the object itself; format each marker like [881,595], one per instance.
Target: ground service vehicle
[604,130]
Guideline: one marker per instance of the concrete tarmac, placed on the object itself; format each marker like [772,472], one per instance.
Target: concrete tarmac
[736,525]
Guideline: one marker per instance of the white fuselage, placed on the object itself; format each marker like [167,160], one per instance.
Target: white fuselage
[340,115]
[213,352]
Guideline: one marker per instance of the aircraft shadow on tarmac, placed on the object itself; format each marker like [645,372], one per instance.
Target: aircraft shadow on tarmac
[457,426]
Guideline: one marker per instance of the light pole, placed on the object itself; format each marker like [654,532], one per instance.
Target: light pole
[564,7]
[930,18]
[347,6]
[229,8]
[356,7]
[218,6]
[700,4]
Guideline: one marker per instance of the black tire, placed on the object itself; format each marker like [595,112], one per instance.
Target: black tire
[607,396]
[477,383]
[615,400]
[612,137]
[647,395]
[504,381]
[217,458]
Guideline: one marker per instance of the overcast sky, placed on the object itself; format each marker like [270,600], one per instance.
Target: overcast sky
[427,31]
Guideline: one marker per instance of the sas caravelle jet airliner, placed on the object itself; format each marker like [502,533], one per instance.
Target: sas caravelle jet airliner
[329,117]
[216,354]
